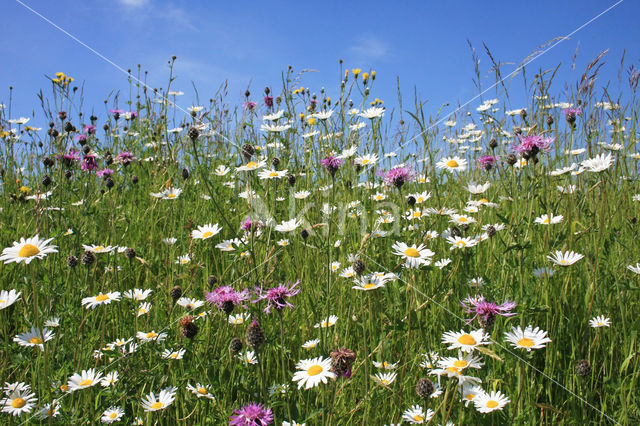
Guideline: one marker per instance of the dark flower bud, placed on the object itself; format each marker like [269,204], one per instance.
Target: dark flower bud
[185,173]
[176,293]
[491,231]
[456,232]
[68,127]
[130,253]
[487,322]
[292,180]
[62,115]
[248,151]
[411,200]
[247,93]
[304,234]
[193,133]
[72,261]
[583,368]
[53,133]
[68,174]
[48,162]
[523,113]
[255,335]
[549,120]
[46,180]
[88,258]
[134,179]
[109,183]
[511,159]
[359,267]
[493,143]
[235,345]
[425,388]
[341,361]
[275,162]
[212,280]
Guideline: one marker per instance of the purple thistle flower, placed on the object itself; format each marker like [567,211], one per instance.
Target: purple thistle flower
[82,138]
[252,414]
[132,115]
[225,298]
[89,163]
[398,176]
[268,101]
[72,155]
[125,157]
[487,161]
[249,224]
[105,173]
[276,297]
[331,164]
[89,129]
[486,310]
[248,105]
[532,144]
[572,111]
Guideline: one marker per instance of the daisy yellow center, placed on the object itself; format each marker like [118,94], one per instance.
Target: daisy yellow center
[526,342]
[99,248]
[273,174]
[368,286]
[86,382]
[452,163]
[460,363]
[173,355]
[365,161]
[151,335]
[417,214]
[3,301]
[64,388]
[18,403]
[35,340]
[202,391]
[207,234]
[470,396]
[461,244]
[157,405]
[411,252]
[102,297]
[563,261]
[28,250]
[384,382]
[467,339]
[172,195]
[462,219]
[484,200]
[419,200]
[314,370]
[546,220]
[418,418]
[113,415]
[492,404]
[252,164]
[379,197]
[453,370]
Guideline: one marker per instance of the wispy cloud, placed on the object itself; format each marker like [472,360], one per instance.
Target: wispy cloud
[133,3]
[368,48]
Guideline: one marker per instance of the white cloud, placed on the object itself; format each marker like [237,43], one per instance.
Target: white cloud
[133,3]
[368,48]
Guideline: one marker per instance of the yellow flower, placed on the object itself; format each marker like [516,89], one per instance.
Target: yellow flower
[298,90]
[378,101]
[311,121]
[60,75]
[365,76]
[355,72]
[301,117]
[373,75]
[24,189]
[346,74]
[4,134]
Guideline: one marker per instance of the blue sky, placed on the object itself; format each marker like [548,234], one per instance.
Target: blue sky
[423,43]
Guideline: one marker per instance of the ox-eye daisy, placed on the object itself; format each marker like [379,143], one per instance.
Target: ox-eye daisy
[200,391]
[565,259]
[600,321]
[100,299]
[416,415]
[549,219]
[384,379]
[35,337]
[205,232]
[464,341]
[84,380]
[528,339]
[27,250]
[112,414]
[454,164]
[19,401]
[8,298]
[313,371]
[166,397]
[414,256]
[486,403]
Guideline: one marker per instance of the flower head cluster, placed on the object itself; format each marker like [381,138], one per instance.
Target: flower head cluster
[486,310]
[225,298]
[530,145]
[251,414]
[331,164]
[276,297]
[398,176]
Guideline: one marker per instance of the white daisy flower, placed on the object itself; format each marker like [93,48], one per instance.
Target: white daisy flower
[112,414]
[100,299]
[600,321]
[417,415]
[166,397]
[200,391]
[35,337]
[86,379]
[313,371]
[565,259]
[27,250]
[205,232]
[528,339]
[546,219]
[486,403]
[466,342]
[8,298]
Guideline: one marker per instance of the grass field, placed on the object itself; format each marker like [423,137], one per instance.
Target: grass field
[327,258]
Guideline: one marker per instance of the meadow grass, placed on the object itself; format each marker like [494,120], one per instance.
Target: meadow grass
[413,182]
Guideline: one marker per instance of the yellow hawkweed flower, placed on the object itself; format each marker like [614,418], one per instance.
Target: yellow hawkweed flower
[298,90]
[60,75]
[346,74]
[355,72]
[365,76]
[311,121]
[378,101]
[373,75]
[301,117]
[24,189]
